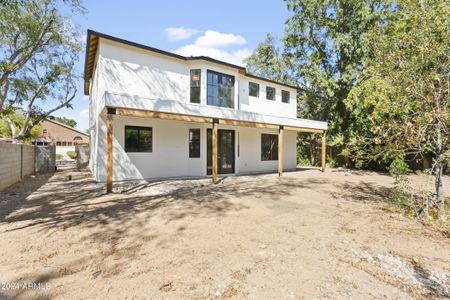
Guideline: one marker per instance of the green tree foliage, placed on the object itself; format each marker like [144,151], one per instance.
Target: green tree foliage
[38,49]
[267,61]
[325,44]
[15,119]
[401,105]
[67,121]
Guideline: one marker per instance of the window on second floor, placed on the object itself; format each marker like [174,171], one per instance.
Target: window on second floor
[285,95]
[270,93]
[253,89]
[195,85]
[220,89]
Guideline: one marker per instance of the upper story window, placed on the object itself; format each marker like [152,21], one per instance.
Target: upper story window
[138,139]
[270,93]
[195,85]
[285,95]
[220,89]
[253,89]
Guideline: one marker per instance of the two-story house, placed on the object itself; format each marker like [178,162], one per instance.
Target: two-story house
[156,114]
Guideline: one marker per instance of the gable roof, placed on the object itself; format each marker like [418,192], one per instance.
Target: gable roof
[91,52]
[66,126]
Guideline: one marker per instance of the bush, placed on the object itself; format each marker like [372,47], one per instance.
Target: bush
[399,167]
[58,156]
[71,154]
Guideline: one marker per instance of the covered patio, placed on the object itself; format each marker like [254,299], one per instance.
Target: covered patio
[177,111]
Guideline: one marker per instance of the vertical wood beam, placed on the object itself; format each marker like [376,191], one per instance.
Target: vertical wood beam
[214,152]
[280,151]
[324,151]
[109,163]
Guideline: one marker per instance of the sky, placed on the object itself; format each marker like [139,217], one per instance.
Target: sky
[226,30]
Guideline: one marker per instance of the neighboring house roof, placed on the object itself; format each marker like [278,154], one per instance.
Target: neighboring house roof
[91,51]
[67,126]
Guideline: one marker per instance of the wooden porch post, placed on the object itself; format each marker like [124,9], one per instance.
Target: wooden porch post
[109,163]
[214,151]
[323,151]
[280,151]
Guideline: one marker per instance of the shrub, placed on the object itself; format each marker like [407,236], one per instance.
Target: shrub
[58,156]
[399,167]
[71,154]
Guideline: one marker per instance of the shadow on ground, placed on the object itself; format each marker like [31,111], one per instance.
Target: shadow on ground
[60,204]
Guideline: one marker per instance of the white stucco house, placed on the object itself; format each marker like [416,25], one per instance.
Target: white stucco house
[156,114]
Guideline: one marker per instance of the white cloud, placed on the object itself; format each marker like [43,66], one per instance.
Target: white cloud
[216,39]
[212,44]
[180,33]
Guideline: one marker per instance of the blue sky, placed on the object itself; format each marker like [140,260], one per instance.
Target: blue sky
[226,30]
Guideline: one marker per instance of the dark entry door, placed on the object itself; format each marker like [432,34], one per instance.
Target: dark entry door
[225,151]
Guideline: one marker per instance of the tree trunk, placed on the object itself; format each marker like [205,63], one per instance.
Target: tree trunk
[312,151]
[3,93]
[11,127]
[26,124]
[439,159]
[439,186]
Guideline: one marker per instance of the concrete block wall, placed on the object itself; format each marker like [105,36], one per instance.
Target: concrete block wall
[17,161]
[28,160]
[10,164]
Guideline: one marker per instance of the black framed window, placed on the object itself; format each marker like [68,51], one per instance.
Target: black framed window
[253,89]
[194,142]
[138,139]
[269,146]
[285,95]
[270,93]
[195,85]
[220,89]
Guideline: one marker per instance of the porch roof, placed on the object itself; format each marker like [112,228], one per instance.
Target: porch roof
[161,108]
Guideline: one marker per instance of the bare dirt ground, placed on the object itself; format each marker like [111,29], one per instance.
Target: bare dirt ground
[306,235]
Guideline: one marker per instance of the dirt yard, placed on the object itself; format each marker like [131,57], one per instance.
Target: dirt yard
[305,235]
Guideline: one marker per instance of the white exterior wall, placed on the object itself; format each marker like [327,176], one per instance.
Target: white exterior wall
[264,106]
[170,155]
[153,80]
[136,72]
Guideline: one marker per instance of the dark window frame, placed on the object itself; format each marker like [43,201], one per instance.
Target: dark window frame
[139,129]
[257,89]
[267,93]
[209,85]
[273,147]
[194,145]
[283,94]
[197,88]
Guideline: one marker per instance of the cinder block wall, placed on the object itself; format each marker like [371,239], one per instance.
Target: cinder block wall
[28,160]
[17,161]
[10,164]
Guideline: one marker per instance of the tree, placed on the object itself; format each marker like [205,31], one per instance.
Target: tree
[403,94]
[325,43]
[38,50]
[67,121]
[15,119]
[267,61]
